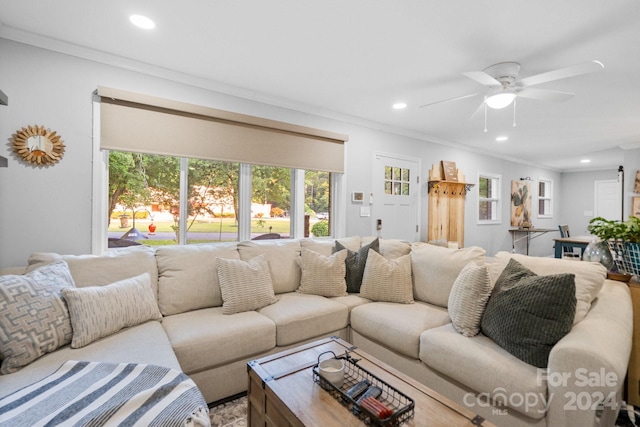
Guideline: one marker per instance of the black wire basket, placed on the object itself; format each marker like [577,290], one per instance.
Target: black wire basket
[399,403]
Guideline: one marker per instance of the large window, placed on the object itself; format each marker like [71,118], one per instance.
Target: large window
[489,203]
[147,203]
[545,198]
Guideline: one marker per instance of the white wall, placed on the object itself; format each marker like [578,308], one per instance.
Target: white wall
[578,199]
[49,209]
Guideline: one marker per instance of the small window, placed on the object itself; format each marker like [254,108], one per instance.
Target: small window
[545,198]
[489,203]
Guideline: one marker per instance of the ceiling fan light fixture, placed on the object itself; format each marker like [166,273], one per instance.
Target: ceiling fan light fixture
[500,100]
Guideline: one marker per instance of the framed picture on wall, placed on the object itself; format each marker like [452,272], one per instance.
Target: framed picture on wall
[520,204]
[635,206]
[358,196]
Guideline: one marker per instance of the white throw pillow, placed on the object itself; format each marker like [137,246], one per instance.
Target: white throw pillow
[322,275]
[100,311]
[589,278]
[436,268]
[468,299]
[245,285]
[34,319]
[387,280]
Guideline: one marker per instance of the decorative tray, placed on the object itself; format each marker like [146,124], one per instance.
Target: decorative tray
[401,405]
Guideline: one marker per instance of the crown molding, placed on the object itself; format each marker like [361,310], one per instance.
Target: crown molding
[82,52]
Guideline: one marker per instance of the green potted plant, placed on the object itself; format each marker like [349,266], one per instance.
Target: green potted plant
[623,238]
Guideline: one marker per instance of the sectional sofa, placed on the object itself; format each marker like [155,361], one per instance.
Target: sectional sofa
[219,311]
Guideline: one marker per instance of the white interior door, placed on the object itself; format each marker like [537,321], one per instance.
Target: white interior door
[396,206]
[608,199]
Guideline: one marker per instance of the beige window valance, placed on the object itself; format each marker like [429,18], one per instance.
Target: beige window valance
[146,124]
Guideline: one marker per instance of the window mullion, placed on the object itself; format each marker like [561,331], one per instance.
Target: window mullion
[244,202]
[184,200]
[297,203]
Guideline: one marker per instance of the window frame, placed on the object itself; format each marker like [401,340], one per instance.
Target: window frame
[497,178]
[549,197]
[100,185]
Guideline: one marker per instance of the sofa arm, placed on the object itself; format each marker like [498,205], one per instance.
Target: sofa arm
[588,366]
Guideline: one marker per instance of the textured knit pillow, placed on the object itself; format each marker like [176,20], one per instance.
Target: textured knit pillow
[100,311]
[468,298]
[355,262]
[34,319]
[322,275]
[528,314]
[245,285]
[387,280]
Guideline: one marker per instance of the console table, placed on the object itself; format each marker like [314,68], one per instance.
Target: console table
[528,234]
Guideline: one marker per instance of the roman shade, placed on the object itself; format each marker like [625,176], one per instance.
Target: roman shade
[146,124]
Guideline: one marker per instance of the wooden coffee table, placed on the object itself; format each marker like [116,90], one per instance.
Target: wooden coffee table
[282,392]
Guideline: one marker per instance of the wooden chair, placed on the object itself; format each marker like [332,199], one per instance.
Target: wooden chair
[564,232]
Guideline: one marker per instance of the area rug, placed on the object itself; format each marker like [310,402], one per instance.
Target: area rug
[234,414]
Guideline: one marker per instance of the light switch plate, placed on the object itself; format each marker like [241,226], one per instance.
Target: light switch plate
[365,211]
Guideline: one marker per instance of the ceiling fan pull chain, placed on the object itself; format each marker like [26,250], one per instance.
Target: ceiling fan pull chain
[485,115]
[514,112]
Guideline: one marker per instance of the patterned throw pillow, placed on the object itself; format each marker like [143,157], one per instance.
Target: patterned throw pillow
[323,275]
[100,311]
[468,298]
[387,280]
[528,314]
[245,285]
[34,319]
[356,262]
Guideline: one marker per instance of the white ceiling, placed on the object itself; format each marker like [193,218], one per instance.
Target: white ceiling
[354,59]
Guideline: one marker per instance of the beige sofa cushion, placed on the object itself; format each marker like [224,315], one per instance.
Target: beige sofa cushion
[98,270]
[146,343]
[397,326]
[326,246]
[204,339]
[390,248]
[245,285]
[468,299]
[187,277]
[299,317]
[282,256]
[100,311]
[436,268]
[323,275]
[387,279]
[589,278]
[484,367]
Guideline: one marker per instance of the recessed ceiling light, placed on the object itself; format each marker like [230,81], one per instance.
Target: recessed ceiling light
[502,138]
[399,106]
[142,22]
[585,161]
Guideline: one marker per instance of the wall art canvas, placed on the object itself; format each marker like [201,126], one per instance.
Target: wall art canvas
[636,184]
[520,204]
[635,206]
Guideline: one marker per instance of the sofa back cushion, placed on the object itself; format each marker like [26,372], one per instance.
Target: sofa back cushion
[435,269]
[589,276]
[100,270]
[187,276]
[282,256]
[326,246]
[389,248]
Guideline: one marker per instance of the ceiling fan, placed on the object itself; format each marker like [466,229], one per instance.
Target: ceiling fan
[504,84]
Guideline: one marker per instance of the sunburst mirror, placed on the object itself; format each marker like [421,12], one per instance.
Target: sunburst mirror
[37,145]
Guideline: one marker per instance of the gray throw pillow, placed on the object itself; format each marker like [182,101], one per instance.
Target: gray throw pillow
[528,314]
[356,262]
[34,319]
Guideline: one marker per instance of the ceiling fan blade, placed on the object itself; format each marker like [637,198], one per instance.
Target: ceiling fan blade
[449,100]
[545,95]
[563,73]
[482,78]
[480,108]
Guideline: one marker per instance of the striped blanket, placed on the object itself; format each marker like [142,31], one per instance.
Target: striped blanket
[107,394]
